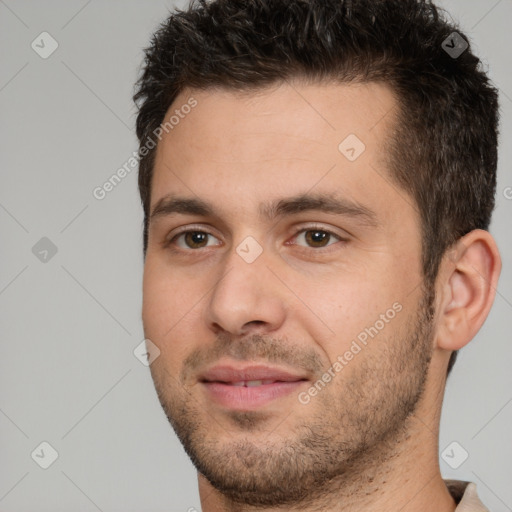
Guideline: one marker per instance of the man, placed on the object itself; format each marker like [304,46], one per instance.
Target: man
[317,178]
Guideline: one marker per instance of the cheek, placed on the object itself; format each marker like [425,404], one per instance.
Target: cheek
[170,304]
[346,306]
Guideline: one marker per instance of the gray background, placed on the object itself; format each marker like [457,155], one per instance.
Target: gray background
[70,324]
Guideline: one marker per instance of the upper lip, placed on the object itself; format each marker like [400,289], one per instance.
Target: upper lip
[227,373]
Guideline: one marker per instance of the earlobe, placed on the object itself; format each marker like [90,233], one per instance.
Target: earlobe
[469,279]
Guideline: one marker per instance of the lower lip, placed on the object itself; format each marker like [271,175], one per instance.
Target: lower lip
[243,398]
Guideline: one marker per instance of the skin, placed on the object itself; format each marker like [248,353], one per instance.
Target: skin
[369,439]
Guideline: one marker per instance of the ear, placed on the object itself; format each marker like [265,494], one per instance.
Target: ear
[467,286]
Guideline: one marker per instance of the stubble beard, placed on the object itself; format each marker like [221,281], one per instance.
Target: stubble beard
[355,425]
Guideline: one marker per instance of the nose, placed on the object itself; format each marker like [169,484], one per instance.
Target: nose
[247,299]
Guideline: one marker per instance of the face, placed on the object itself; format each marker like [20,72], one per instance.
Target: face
[283,288]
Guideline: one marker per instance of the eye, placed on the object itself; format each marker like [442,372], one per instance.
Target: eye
[194,240]
[316,238]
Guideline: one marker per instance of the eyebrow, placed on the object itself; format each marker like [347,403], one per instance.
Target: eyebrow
[328,203]
[322,203]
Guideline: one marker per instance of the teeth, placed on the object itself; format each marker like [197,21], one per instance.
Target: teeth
[252,383]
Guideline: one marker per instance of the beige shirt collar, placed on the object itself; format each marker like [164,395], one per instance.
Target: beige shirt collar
[464,493]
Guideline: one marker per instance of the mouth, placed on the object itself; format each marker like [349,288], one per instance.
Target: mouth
[250,383]
[249,387]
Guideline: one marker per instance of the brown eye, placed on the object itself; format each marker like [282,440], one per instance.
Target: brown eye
[195,240]
[317,238]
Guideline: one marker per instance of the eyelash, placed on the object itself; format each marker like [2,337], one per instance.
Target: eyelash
[200,229]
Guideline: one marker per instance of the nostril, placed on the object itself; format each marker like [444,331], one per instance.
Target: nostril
[253,326]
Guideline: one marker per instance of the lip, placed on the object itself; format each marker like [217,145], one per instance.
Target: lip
[219,385]
[229,374]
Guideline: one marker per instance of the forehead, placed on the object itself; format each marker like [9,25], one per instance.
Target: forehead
[242,149]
